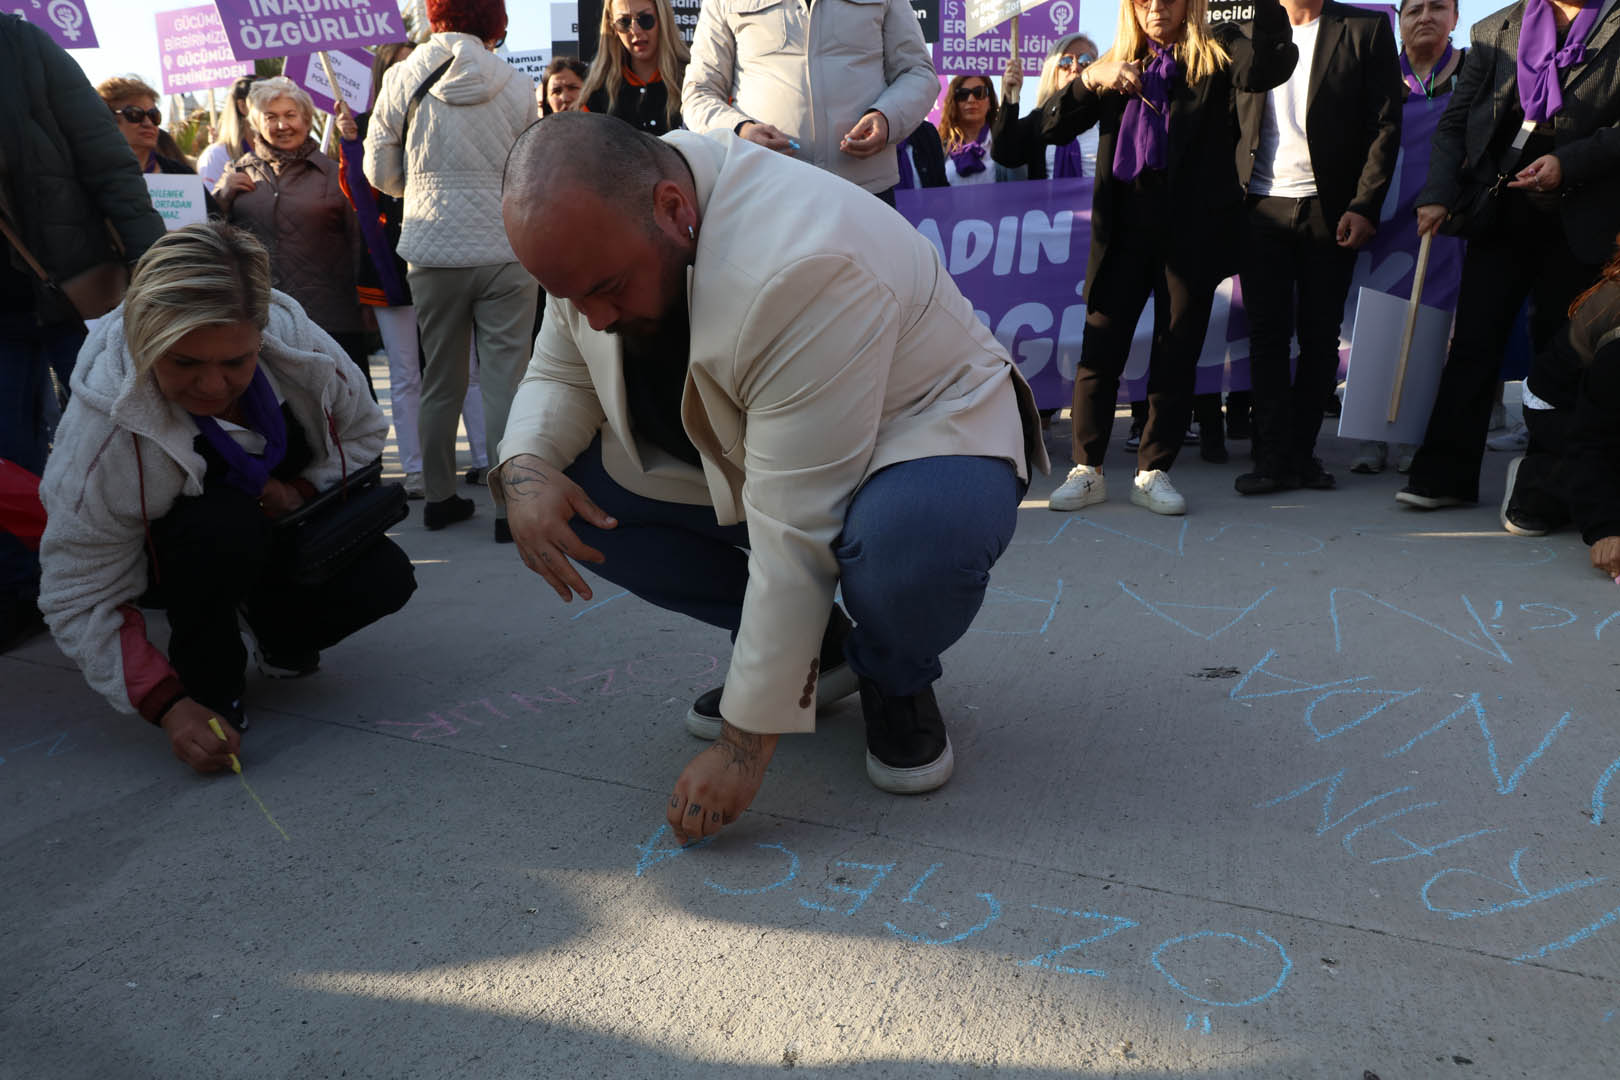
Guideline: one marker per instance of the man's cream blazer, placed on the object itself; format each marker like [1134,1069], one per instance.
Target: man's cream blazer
[827,343]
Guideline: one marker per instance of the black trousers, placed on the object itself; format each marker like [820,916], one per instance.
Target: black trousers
[1526,255]
[1295,278]
[1146,260]
[1542,488]
[213,557]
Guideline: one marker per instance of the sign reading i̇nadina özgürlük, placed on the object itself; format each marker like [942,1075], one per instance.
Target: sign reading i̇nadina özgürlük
[296,27]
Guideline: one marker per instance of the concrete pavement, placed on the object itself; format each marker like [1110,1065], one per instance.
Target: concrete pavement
[1305,786]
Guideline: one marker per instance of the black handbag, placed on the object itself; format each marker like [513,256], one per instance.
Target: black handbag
[330,531]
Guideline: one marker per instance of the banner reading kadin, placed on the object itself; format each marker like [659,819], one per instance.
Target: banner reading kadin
[295,27]
[67,21]
[196,53]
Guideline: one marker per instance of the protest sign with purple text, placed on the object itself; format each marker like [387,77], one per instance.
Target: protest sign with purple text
[196,53]
[353,70]
[958,53]
[294,27]
[67,21]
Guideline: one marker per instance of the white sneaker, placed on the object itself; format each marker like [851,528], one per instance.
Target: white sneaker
[1516,437]
[1153,490]
[414,488]
[1084,486]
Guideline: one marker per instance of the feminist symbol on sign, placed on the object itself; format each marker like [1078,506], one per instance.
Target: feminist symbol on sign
[1062,13]
[67,16]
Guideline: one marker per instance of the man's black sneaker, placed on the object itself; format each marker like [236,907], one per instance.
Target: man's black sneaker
[1316,478]
[907,750]
[835,682]
[1258,483]
[436,515]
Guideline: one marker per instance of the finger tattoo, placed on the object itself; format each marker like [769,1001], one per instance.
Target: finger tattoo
[694,810]
[674,802]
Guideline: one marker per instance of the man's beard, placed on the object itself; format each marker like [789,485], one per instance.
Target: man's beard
[672,291]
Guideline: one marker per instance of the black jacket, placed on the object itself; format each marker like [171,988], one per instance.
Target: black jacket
[1594,466]
[1478,127]
[66,173]
[1205,196]
[927,156]
[641,107]
[1016,142]
[1353,112]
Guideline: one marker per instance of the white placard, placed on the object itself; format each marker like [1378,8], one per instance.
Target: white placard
[353,73]
[1375,349]
[982,16]
[178,197]
[532,62]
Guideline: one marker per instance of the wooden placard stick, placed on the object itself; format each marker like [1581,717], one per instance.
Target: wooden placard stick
[1412,306]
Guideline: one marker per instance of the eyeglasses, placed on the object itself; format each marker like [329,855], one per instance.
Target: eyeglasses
[1066,63]
[977,93]
[646,20]
[135,115]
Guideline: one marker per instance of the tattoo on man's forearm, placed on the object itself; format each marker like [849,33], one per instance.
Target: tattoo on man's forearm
[742,750]
[521,481]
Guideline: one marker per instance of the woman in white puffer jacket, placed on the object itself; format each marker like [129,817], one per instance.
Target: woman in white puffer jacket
[445,157]
[203,408]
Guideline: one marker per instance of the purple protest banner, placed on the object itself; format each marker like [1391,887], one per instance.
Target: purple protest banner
[67,21]
[353,70]
[293,28]
[1018,251]
[1038,30]
[196,52]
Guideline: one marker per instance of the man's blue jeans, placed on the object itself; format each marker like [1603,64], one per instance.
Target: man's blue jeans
[28,352]
[914,557]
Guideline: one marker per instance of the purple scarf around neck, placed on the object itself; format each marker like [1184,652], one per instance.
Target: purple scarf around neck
[1416,83]
[1143,132]
[244,471]
[1540,59]
[902,158]
[1068,161]
[969,157]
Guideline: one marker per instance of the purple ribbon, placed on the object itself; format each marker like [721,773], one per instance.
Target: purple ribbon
[371,227]
[1540,59]
[1068,161]
[1144,133]
[902,158]
[969,157]
[1416,83]
[244,471]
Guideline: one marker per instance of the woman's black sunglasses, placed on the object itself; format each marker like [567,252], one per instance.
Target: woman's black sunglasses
[135,115]
[977,92]
[1066,62]
[646,20]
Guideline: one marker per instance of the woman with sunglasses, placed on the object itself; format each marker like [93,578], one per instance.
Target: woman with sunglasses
[233,139]
[1165,217]
[134,104]
[964,128]
[639,66]
[1017,139]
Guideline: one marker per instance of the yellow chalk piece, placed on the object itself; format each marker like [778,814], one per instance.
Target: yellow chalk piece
[262,807]
[236,766]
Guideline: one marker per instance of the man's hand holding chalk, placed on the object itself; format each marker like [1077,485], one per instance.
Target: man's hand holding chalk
[199,739]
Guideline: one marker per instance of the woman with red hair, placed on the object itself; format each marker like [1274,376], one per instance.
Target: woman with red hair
[439,134]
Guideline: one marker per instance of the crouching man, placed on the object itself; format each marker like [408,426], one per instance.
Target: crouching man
[756,382]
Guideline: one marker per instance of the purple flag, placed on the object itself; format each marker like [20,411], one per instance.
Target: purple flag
[288,28]
[67,21]
[196,53]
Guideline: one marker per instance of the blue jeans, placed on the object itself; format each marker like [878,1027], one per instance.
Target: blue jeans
[28,352]
[914,557]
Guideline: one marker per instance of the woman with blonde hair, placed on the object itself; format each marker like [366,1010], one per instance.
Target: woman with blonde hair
[204,408]
[640,64]
[1017,139]
[965,123]
[1166,215]
[232,138]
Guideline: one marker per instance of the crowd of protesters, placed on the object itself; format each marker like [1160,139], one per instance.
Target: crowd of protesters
[1264,149]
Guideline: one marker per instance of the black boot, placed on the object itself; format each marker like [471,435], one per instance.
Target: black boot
[907,749]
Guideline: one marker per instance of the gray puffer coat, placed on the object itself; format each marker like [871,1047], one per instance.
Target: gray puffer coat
[68,180]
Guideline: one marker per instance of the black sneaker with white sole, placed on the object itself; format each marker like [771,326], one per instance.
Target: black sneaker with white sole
[836,681]
[907,749]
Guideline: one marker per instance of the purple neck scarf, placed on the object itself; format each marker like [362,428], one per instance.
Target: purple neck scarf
[902,158]
[245,472]
[1540,59]
[1416,83]
[1068,161]
[969,157]
[1143,132]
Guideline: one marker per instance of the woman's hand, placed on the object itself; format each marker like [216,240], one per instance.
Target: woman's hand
[279,498]
[231,185]
[348,130]
[1430,217]
[1121,76]
[1545,173]
[1012,80]
[193,740]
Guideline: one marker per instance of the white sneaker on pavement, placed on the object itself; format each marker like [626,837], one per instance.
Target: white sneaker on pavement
[414,488]
[1516,437]
[1153,490]
[1084,486]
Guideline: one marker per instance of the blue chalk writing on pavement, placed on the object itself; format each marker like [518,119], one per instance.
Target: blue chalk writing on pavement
[792,872]
[879,872]
[652,854]
[1495,649]
[1157,608]
[1282,976]
[1503,787]
[1525,897]
[1048,959]
[911,898]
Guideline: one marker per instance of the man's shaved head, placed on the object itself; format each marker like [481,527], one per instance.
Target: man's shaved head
[604,216]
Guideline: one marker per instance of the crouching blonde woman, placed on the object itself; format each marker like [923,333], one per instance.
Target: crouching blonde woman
[203,408]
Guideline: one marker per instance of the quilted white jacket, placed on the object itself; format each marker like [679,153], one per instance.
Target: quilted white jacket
[448,167]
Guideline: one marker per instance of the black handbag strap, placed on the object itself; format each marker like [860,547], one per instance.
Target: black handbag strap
[421,92]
